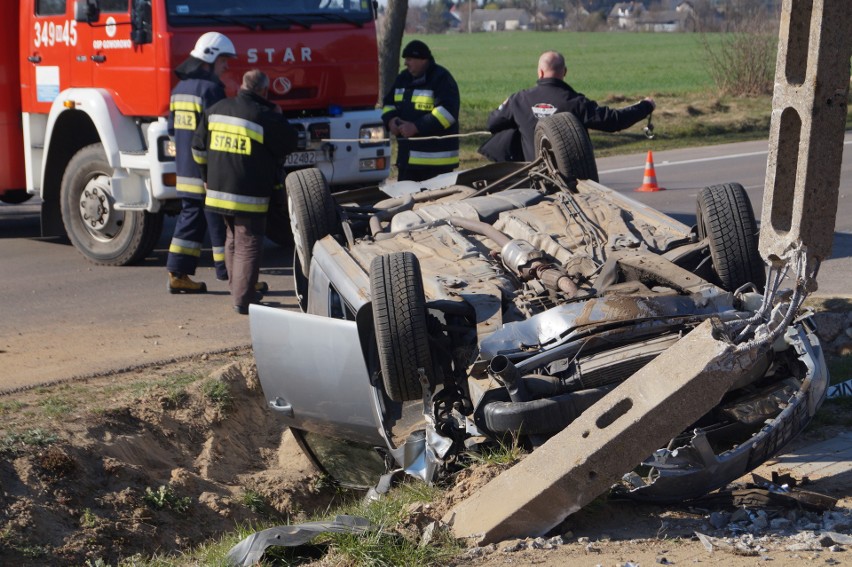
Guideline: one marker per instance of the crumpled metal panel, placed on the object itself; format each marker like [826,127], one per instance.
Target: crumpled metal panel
[556,325]
[697,459]
[250,550]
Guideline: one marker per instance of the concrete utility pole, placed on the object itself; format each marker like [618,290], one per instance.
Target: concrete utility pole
[806,132]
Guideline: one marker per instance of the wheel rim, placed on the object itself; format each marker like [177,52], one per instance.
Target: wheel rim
[97,213]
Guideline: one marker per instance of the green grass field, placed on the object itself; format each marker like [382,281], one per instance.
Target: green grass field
[616,70]
[629,66]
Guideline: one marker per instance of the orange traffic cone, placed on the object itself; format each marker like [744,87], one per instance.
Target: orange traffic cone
[649,182]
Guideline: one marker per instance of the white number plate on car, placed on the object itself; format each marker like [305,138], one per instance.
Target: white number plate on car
[301,158]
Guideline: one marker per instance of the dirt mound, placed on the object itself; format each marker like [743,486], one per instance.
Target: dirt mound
[139,464]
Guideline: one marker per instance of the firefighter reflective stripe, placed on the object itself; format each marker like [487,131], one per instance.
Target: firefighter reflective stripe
[398,95]
[199,156]
[233,135]
[387,109]
[218,253]
[238,126]
[444,117]
[423,99]
[236,203]
[190,185]
[434,158]
[186,109]
[188,102]
[188,247]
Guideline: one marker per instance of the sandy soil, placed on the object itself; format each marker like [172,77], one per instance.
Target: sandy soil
[142,463]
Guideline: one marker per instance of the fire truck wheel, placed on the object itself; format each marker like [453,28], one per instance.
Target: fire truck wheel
[97,230]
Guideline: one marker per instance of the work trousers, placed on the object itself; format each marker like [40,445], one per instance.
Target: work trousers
[185,247]
[243,251]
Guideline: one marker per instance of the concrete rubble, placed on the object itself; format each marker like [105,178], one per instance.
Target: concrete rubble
[583,460]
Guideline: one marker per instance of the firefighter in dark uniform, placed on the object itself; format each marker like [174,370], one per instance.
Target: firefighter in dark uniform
[423,102]
[238,145]
[199,88]
[552,94]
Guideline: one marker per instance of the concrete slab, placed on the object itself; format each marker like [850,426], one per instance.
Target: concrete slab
[609,439]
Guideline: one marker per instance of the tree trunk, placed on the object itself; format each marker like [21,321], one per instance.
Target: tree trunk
[390,43]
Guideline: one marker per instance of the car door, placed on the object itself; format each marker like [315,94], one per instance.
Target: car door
[313,374]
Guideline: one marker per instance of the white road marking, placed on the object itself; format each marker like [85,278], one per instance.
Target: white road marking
[697,160]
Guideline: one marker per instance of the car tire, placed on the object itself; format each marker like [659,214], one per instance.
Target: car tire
[313,215]
[726,219]
[103,234]
[399,318]
[563,141]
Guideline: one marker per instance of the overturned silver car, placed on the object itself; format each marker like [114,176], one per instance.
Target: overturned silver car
[501,302]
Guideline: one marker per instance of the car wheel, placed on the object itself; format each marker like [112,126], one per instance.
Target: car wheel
[103,234]
[312,212]
[15,196]
[399,317]
[563,141]
[725,218]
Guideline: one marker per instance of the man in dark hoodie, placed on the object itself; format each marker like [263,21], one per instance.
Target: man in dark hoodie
[522,110]
[420,109]
[238,145]
[199,88]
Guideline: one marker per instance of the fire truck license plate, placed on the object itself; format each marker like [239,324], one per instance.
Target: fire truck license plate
[301,158]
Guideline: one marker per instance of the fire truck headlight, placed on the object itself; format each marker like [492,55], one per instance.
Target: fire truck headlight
[166,149]
[371,134]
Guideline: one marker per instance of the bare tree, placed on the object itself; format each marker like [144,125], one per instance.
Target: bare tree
[390,42]
[742,63]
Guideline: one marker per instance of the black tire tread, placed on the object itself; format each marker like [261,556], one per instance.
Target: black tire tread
[314,208]
[726,218]
[399,316]
[570,143]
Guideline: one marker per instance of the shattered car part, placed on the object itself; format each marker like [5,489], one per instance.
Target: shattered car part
[250,550]
[508,299]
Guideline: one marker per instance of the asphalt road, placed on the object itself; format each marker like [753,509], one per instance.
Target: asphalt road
[62,317]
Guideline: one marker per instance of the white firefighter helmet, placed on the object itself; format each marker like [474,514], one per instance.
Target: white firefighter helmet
[211,45]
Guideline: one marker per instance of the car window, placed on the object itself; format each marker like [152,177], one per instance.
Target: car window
[337,307]
[349,463]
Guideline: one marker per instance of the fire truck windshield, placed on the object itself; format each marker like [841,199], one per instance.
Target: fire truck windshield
[268,13]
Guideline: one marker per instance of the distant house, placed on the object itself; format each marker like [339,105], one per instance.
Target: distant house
[634,16]
[623,15]
[665,21]
[505,19]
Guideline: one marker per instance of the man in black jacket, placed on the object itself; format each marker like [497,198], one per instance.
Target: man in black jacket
[552,94]
[423,103]
[238,145]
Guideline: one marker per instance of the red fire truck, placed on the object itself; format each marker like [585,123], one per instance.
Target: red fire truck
[84,91]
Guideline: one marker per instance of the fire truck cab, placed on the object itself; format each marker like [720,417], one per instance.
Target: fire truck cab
[84,114]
